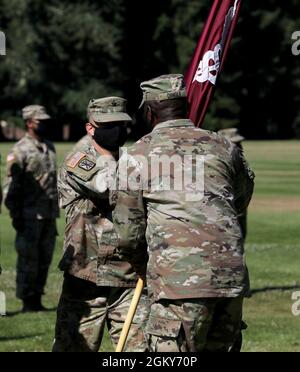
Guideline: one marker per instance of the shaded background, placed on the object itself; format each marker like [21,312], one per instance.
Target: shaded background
[62,53]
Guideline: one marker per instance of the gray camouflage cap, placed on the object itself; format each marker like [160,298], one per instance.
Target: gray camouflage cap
[109,109]
[163,88]
[232,134]
[35,112]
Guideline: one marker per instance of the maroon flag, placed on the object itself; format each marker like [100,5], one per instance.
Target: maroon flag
[209,56]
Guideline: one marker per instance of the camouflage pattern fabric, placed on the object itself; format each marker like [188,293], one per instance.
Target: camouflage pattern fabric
[198,325]
[83,311]
[83,144]
[195,247]
[233,135]
[30,189]
[37,112]
[108,110]
[243,217]
[35,244]
[90,246]
[163,88]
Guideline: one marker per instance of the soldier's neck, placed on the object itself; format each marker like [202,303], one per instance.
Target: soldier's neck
[164,118]
[100,149]
[32,134]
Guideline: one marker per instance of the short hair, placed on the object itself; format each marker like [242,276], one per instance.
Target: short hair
[172,107]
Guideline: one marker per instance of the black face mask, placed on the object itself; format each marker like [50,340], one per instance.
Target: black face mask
[111,136]
[41,130]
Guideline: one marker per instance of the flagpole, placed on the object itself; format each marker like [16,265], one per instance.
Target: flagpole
[129,318]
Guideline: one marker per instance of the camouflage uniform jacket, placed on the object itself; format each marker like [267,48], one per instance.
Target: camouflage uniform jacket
[195,245]
[90,239]
[30,189]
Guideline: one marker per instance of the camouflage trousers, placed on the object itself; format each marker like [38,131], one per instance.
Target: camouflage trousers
[195,325]
[35,246]
[83,311]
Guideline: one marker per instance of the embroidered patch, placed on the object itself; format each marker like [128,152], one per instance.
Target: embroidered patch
[75,159]
[86,164]
[10,158]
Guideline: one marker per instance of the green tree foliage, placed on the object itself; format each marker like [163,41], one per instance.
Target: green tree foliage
[62,53]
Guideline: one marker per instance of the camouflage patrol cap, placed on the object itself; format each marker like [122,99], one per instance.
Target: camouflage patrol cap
[109,109]
[232,134]
[35,112]
[163,88]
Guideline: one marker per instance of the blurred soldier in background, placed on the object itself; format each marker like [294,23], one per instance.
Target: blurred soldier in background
[98,284]
[196,273]
[30,194]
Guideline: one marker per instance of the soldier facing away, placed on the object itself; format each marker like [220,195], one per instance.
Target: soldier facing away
[196,273]
[98,283]
[30,194]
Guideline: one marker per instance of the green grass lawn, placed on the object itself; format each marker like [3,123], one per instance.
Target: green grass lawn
[273,255]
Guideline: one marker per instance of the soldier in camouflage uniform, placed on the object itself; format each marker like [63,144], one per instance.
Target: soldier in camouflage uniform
[98,285]
[30,194]
[196,272]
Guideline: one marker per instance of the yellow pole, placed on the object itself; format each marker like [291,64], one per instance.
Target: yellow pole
[130,315]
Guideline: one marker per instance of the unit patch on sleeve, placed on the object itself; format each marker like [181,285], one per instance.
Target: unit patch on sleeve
[86,165]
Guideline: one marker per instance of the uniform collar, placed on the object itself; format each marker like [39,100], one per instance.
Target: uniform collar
[174,124]
[36,142]
[98,157]
[103,162]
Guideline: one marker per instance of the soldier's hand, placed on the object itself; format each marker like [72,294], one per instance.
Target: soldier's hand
[18,224]
[141,272]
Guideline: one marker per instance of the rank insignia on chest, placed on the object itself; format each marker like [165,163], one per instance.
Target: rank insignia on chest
[86,164]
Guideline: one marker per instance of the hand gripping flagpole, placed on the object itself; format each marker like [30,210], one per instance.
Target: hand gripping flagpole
[130,315]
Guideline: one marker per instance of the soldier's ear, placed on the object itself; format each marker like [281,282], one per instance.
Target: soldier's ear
[90,129]
[29,123]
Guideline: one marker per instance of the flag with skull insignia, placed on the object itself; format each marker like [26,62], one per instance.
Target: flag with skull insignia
[209,56]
